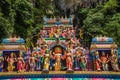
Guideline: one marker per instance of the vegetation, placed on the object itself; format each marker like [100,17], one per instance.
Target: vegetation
[25,17]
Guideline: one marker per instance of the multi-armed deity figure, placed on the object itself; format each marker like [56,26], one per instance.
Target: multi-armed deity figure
[104,60]
[57,56]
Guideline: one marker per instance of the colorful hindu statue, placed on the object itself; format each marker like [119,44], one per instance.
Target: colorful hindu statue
[104,60]
[20,63]
[69,60]
[52,60]
[114,61]
[59,57]
[26,59]
[39,59]
[1,64]
[87,55]
[76,61]
[97,61]
[83,62]
[58,63]
[32,62]
[11,61]
[46,63]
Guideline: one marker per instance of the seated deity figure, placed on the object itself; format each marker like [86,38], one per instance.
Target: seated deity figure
[104,61]
[114,61]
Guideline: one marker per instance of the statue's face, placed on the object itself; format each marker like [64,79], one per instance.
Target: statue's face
[103,53]
[11,55]
[58,50]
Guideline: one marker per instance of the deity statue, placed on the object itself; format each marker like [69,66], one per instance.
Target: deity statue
[97,61]
[46,63]
[83,62]
[39,59]
[32,62]
[11,61]
[58,63]
[114,61]
[76,60]
[20,63]
[104,60]
[69,61]
[1,64]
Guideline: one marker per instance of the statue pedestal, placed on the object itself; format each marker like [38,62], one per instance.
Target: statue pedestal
[45,71]
[77,68]
[70,71]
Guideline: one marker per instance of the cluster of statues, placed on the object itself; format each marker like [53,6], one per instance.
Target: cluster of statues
[49,61]
[105,61]
[59,55]
[58,59]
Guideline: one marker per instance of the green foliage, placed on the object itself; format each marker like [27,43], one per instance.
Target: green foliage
[111,4]
[5,27]
[23,18]
[103,20]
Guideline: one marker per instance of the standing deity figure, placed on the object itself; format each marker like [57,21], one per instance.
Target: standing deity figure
[83,62]
[97,61]
[58,62]
[104,60]
[39,59]
[46,63]
[1,64]
[77,58]
[114,61]
[69,61]
[76,61]
[52,60]
[11,61]
[20,63]
[32,63]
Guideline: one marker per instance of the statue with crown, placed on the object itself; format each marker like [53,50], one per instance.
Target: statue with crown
[57,56]
[46,62]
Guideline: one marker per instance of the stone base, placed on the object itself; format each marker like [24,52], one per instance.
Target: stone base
[70,71]
[77,68]
[45,71]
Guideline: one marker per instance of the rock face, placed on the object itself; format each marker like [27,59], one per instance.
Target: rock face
[72,5]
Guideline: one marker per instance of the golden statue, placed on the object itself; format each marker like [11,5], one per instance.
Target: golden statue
[58,63]
[46,63]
